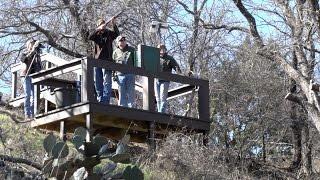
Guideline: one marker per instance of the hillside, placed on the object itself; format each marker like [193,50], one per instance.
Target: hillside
[179,156]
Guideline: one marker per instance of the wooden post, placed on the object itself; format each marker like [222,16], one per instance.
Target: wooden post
[203,101]
[62,131]
[46,102]
[87,93]
[148,94]
[78,97]
[148,104]
[88,126]
[36,98]
[14,85]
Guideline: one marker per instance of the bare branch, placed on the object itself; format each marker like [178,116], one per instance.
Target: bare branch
[21,161]
[52,42]
[252,22]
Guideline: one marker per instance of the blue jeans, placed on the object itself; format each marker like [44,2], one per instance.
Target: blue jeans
[103,84]
[126,89]
[29,96]
[161,92]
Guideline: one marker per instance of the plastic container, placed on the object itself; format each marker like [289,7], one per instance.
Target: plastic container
[65,96]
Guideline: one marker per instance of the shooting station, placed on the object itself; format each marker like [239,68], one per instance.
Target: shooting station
[71,104]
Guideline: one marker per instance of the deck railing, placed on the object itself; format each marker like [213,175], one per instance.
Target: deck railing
[86,68]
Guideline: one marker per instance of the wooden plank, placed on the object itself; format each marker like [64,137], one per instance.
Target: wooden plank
[141,72]
[57,71]
[69,67]
[18,101]
[57,60]
[141,115]
[60,114]
[54,82]
[180,91]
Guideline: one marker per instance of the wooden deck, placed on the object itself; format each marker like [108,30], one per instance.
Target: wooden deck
[111,120]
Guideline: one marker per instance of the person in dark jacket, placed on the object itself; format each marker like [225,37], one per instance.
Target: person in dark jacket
[103,38]
[167,63]
[31,63]
[124,54]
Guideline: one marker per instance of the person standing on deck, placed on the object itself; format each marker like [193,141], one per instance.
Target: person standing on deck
[167,63]
[31,63]
[103,38]
[124,54]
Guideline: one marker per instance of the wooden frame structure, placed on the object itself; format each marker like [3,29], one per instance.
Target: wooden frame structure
[111,120]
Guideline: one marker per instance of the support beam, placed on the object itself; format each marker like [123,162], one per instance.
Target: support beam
[89,122]
[148,104]
[151,139]
[63,131]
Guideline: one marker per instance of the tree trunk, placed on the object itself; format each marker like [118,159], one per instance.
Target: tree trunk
[296,125]
[307,150]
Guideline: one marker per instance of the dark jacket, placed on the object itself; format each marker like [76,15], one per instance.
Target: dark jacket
[103,42]
[124,56]
[167,63]
[26,59]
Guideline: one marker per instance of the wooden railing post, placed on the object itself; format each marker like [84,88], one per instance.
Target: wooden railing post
[203,101]
[87,91]
[36,98]
[148,94]
[46,102]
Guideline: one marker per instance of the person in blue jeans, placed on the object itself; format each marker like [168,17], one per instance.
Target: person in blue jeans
[167,63]
[124,54]
[31,63]
[103,38]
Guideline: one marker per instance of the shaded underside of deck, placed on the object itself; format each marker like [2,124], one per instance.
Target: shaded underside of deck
[114,121]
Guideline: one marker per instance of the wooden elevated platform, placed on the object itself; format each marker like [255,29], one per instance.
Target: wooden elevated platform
[111,120]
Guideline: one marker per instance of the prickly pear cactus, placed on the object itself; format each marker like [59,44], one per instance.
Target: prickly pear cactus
[80,131]
[60,150]
[132,173]
[90,154]
[48,143]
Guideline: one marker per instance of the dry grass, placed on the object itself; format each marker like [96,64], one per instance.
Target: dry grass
[184,157]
